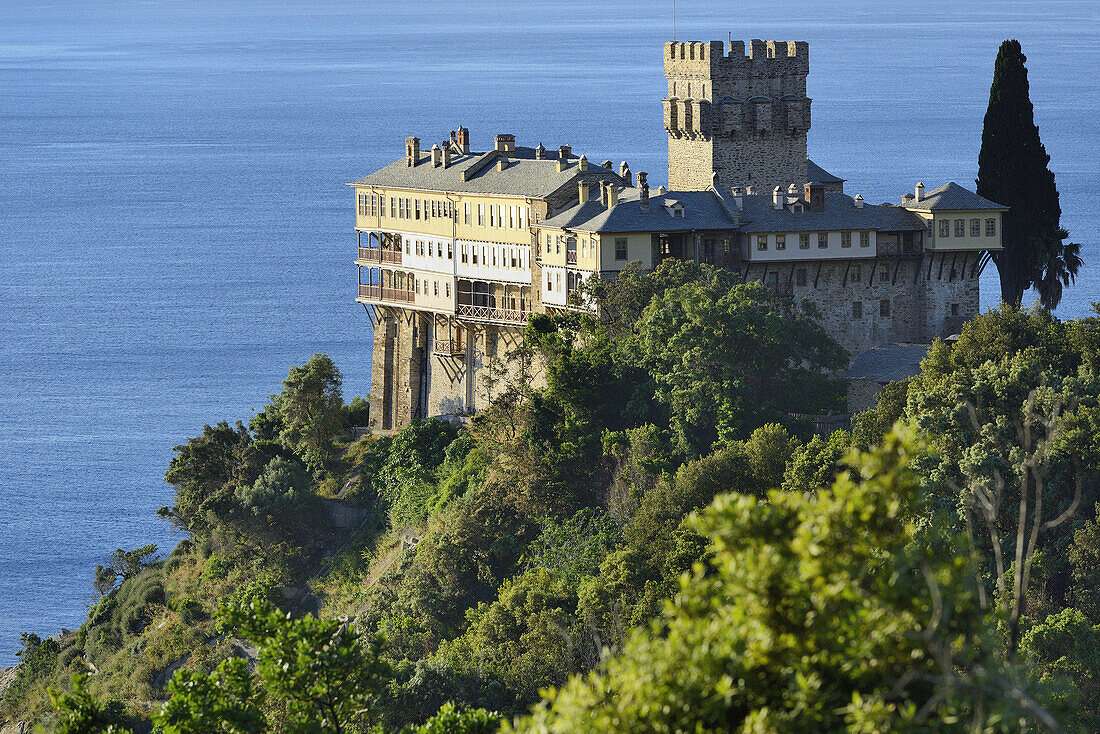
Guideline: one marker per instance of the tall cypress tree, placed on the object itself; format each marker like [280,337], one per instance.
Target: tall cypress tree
[1013,170]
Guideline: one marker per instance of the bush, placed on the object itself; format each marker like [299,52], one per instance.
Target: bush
[282,485]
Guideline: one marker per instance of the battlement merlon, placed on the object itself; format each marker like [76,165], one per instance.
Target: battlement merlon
[712,58]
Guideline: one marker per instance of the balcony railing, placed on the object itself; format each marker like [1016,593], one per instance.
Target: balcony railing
[571,257]
[449,347]
[380,293]
[378,255]
[488,313]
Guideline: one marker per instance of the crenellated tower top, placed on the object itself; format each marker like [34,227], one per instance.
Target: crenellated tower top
[740,112]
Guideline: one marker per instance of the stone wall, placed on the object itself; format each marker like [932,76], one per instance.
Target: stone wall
[920,308]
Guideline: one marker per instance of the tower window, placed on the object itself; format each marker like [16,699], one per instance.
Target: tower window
[620,248]
[945,228]
[856,274]
[864,239]
[781,242]
[991,228]
[857,309]
[761,242]
[960,228]
[975,228]
[884,308]
[845,239]
[822,240]
[803,241]
[954,309]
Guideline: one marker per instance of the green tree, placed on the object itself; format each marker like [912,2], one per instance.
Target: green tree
[1013,170]
[127,564]
[225,700]
[454,720]
[202,470]
[727,358]
[1063,653]
[311,411]
[815,612]
[79,712]
[323,673]
[1004,408]
[281,486]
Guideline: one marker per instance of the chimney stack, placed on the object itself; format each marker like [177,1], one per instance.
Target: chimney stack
[502,163]
[540,152]
[603,193]
[504,143]
[412,151]
[624,173]
[565,151]
[582,164]
[777,198]
[858,201]
[612,195]
[437,157]
[582,191]
[919,191]
[446,155]
[792,195]
[661,190]
[643,189]
[814,193]
[608,165]
[462,137]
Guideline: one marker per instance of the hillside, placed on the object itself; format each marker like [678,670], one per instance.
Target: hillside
[644,512]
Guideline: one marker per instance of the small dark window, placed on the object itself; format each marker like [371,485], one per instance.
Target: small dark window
[884,308]
[857,309]
[620,248]
[954,309]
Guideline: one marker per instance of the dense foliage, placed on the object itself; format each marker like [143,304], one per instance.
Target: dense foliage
[638,534]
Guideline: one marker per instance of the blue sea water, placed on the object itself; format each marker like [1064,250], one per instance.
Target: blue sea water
[175,233]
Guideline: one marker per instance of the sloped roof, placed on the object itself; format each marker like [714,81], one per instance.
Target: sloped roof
[840,212]
[888,363]
[817,174]
[951,197]
[702,210]
[524,175]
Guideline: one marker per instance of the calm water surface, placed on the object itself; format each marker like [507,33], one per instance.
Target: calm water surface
[174,229]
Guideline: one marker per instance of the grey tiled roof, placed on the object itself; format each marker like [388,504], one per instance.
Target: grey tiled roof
[524,175]
[702,211]
[840,212]
[951,197]
[888,363]
[817,174]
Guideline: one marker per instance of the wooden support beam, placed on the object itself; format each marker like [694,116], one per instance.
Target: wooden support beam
[939,273]
[847,267]
[897,267]
[818,274]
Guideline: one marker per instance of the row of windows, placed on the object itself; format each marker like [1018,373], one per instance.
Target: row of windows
[497,256]
[884,309]
[400,207]
[975,227]
[804,240]
[855,276]
[375,205]
[573,281]
[497,215]
[554,244]
[428,248]
[426,287]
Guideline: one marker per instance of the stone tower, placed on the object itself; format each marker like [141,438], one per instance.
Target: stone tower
[742,116]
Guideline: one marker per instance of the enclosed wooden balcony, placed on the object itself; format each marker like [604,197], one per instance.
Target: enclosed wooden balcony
[379,255]
[382,285]
[449,348]
[492,302]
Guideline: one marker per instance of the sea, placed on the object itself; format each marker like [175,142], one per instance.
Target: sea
[175,228]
